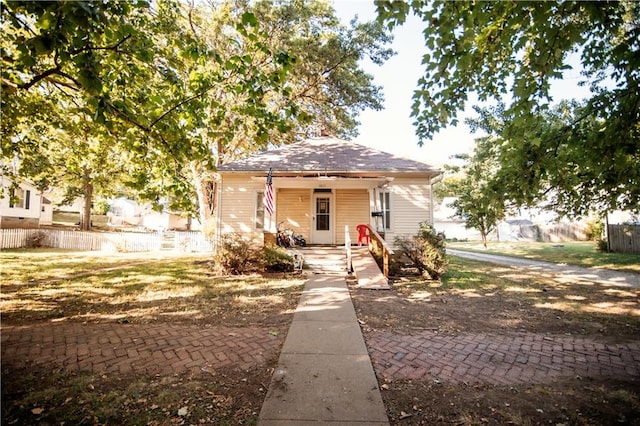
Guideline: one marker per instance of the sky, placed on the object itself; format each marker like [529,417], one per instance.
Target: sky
[391,129]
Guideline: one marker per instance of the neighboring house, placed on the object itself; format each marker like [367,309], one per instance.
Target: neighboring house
[46,212]
[165,221]
[523,225]
[123,211]
[454,228]
[20,208]
[126,212]
[322,185]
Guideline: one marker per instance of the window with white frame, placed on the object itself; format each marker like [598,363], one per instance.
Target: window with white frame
[20,199]
[385,208]
[259,210]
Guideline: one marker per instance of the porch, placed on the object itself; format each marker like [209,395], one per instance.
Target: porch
[320,208]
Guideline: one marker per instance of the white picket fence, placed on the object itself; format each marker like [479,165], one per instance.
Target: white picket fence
[104,241]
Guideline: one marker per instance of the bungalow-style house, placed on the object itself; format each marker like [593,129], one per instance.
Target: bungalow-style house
[21,207]
[320,186]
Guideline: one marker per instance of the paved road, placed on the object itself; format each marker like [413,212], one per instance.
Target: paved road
[562,272]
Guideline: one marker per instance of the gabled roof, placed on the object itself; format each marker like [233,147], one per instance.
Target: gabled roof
[327,155]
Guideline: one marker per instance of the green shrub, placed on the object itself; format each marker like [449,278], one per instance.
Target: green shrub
[234,255]
[100,207]
[595,230]
[36,240]
[602,245]
[426,250]
[276,259]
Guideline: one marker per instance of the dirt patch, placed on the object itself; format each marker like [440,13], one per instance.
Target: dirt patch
[90,388]
[49,396]
[489,300]
[473,299]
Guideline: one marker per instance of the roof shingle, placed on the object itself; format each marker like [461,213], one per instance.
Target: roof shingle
[328,155]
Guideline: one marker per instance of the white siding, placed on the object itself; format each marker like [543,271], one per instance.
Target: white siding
[19,217]
[352,208]
[237,207]
[293,208]
[410,205]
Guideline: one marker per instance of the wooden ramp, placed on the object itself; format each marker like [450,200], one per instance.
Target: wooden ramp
[366,270]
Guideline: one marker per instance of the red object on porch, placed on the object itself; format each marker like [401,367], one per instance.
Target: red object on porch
[363,234]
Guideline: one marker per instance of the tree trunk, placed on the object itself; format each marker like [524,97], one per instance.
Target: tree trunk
[206,189]
[85,217]
[484,238]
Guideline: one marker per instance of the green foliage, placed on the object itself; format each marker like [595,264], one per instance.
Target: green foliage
[276,259]
[326,80]
[100,207]
[560,162]
[480,201]
[602,245]
[595,229]
[426,250]
[235,255]
[584,156]
[106,97]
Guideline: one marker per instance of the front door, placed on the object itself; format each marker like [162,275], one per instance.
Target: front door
[322,225]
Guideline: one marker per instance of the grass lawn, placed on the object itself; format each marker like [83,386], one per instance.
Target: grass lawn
[72,219]
[63,285]
[581,253]
[43,288]
[478,298]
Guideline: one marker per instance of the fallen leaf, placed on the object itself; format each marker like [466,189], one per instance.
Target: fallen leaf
[385,386]
[37,411]
[183,411]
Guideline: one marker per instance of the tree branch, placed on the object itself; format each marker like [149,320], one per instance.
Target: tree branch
[178,105]
[42,76]
[89,48]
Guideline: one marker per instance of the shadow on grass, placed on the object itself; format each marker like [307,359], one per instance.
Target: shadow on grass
[180,289]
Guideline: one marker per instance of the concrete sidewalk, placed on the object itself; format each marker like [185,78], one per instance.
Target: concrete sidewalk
[569,273]
[324,374]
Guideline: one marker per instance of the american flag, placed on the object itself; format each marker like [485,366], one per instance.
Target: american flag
[268,194]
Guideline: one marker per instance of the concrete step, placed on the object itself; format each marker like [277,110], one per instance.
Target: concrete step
[322,260]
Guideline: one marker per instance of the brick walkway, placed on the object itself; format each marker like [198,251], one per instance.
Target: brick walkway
[509,358]
[141,348]
[161,348]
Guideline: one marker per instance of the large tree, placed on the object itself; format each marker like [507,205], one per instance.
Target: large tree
[325,87]
[181,87]
[479,200]
[145,80]
[515,50]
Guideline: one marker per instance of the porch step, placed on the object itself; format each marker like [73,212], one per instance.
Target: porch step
[323,260]
[333,261]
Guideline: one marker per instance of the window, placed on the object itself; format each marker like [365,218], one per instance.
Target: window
[385,207]
[20,199]
[260,210]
